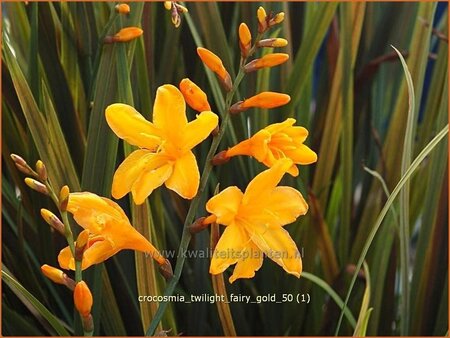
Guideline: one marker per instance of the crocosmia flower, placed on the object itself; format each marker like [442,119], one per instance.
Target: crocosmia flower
[254,224]
[109,228]
[165,154]
[277,141]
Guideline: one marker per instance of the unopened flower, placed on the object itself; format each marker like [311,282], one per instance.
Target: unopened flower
[213,62]
[277,18]
[166,146]
[125,35]
[273,42]
[245,39]
[262,19]
[81,244]
[109,228]
[194,96]
[63,198]
[36,185]
[254,224]
[57,276]
[261,100]
[53,221]
[268,60]
[278,140]
[122,8]
[82,298]
[176,11]
[23,166]
[41,170]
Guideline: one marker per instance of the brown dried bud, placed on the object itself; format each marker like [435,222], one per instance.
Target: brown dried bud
[220,158]
[198,226]
[166,270]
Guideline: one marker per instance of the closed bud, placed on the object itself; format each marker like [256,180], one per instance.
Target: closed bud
[64,198]
[278,18]
[274,42]
[236,108]
[81,244]
[220,158]
[125,35]
[57,276]
[23,166]
[36,185]
[122,9]
[41,170]
[245,39]
[194,96]
[53,221]
[262,19]
[176,18]
[181,9]
[166,270]
[213,62]
[266,100]
[82,297]
[168,5]
[269,60]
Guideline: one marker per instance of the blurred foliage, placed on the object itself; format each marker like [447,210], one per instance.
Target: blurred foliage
[348,89]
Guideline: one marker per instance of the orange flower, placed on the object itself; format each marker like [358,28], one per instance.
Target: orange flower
[254,223]
[82,298]
[194,96]
[213,62]
[261,100]
[109,228]
[278,140]
[245,39]
[125,35]
[269,60]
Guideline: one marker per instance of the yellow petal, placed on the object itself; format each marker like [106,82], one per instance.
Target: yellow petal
[229,248]
[293,170]
[128,124]
[199,129]
[149,180]
[282,206]
[297,133]
[128,172]
[225,205]
[169,113]
[282,126]
[265,182]
[278,245]
[302,155]
[251,262]
[185,178]
[255,146]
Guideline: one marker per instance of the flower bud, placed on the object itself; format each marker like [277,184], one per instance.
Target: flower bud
[22,165]
[41,170]
[63,198]
[269,60]
[168,5]
[82,297]
[213,62]
[122,9]
[36,185]
[53,221]
[125,35]
[57,276]
[278,18]
[220,158]
[194,96]
[266,100]
[166,270]
[274,42]
[81,244]
[197,226]
[245,39]
[262,19]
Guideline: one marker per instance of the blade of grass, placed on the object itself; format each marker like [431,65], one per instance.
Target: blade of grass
[364,312]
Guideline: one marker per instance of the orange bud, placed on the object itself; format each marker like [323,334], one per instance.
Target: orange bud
[122,9]
[54,274]
[245,39]
[278,18]
[266,100]
[64,198]
[274,42]
[81,244]
[125,35]
[194,96]
[82,297]
[53,221]
[36,185]
[213,62]
[168,5]
[41,170]
[268,60]
[262,19]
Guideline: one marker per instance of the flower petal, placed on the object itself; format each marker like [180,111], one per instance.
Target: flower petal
[302,155]
[128,124]
[185,178]
[149,180]
[255,146]
[282,126]
[278,245]
[251,262]
[199,129]
[225,205]
[229,248]
[264,183]
[282,206]
[297,133]
[97,253]
[128,172]
[169,113]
